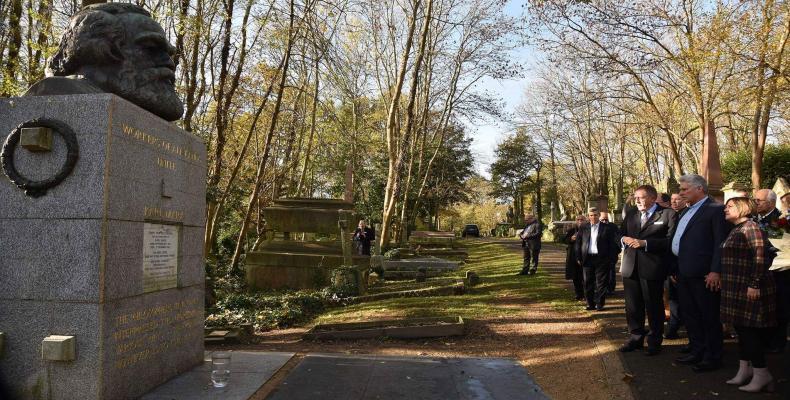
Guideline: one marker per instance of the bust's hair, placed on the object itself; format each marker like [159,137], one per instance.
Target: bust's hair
[94,37]
[593,210]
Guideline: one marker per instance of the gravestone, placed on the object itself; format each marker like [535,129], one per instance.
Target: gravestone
[101,275]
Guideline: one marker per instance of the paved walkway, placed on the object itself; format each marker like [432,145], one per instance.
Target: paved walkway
[368,377]
[658,377]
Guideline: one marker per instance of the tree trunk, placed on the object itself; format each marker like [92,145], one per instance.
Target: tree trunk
[11,67]
[267,146]
[393,137]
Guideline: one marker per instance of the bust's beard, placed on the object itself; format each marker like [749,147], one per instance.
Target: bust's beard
[150,88]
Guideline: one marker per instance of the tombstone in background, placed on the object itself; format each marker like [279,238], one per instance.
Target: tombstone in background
[734,189]
[283,261]
[781,188]
[102,215]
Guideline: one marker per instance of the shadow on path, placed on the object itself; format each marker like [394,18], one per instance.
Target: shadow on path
[658,377]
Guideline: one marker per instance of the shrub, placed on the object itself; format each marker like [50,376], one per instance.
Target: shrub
[266,310]
[737,167]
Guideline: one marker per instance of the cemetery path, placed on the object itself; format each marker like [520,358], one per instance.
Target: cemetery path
[529,318]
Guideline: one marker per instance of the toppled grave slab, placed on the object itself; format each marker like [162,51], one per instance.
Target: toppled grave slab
[411,267]
[455,289]
[402,329]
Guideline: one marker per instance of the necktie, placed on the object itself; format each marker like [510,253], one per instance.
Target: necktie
[644,218]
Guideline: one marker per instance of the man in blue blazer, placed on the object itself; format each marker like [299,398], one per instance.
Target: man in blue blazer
[696,243]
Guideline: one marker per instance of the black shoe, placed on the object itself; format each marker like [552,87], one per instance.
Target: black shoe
[706,366]
[686,349]
[589,308]
[652,350]
[599,308]
[631,345]
[690,359]
[533,271]
[671,335]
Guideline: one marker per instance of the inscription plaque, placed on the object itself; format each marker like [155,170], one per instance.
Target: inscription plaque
[160,257]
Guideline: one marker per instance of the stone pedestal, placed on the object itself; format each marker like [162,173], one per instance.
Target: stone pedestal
[112,256]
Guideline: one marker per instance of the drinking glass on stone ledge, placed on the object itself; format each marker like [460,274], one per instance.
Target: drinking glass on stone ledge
[220,369]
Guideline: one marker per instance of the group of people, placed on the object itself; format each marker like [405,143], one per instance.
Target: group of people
[712,258]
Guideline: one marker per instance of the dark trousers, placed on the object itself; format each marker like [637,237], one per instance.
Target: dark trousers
[701,315]
[675,321]
[778,338]
[612,278]
[596,276]
[750,344]
[578,283]
[531,253]
[644,297]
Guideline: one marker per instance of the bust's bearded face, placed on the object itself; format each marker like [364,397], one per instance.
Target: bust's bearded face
[146,75]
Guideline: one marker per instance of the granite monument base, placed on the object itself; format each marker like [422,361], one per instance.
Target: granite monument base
[101,276]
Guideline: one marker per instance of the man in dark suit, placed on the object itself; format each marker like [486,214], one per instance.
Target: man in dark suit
[530,241]
[696,244]
[646,236]
[596,250]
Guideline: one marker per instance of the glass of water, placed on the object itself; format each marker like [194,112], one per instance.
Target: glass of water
[220,369]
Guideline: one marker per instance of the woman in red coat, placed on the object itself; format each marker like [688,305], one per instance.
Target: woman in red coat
[747,294]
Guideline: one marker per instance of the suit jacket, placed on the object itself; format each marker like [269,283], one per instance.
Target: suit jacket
[570,254]
[608,248]
[651,262]
[700,244]
[533,238]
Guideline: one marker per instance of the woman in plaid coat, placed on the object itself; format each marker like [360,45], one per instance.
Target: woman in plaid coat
[748,294]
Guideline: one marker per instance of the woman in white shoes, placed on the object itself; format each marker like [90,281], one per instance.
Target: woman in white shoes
[747,295]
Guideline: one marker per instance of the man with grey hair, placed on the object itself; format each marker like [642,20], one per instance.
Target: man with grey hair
[115,48]
[766,216]
[701,229]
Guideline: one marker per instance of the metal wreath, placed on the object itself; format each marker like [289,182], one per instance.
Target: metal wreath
[39,188]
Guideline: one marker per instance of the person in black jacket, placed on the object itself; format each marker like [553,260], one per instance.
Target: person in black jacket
[573,271]
[596,250]
[530,241]
[363,236]
[646,236]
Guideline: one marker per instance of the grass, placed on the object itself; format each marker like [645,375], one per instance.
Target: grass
[501,294]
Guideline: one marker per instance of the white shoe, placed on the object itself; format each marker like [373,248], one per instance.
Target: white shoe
[744,374]
[762,381]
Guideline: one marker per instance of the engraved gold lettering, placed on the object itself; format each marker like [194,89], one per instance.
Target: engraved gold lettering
[145,333]
[159,143]
[158,213]
[166,163]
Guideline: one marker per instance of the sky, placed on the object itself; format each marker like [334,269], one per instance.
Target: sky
[487,134]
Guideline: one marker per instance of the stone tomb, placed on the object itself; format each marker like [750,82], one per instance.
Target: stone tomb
[102,277]
[303,264]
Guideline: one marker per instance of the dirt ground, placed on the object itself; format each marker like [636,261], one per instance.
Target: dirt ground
[565,350]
